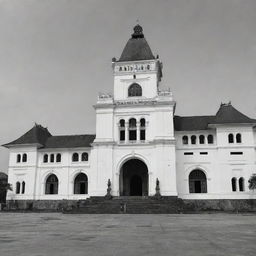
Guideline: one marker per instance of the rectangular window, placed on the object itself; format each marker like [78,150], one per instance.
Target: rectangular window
[142,134]
[236,153]
[188,153]
[132,135]
[203,153]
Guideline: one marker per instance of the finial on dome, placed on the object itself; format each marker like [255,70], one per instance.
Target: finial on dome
[138,31]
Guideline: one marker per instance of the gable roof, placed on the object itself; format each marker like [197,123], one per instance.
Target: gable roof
[226,114]
[137,47]
[41,136]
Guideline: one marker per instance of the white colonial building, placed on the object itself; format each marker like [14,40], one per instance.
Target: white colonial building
[138,140]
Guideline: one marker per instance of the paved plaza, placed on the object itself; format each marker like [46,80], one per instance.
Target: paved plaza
[40,234]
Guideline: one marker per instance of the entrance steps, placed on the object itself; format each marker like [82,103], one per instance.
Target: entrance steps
[129,205]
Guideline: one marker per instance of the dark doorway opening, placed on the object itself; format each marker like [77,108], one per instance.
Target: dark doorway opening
[136,186]
[197,182]
[133,178]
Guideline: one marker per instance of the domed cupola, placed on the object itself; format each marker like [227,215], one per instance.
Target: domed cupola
[137,47]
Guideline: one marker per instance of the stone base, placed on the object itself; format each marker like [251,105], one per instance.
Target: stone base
[134,205]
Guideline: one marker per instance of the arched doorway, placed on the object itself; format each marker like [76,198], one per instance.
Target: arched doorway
[81,184]
[197,182]
[134,178]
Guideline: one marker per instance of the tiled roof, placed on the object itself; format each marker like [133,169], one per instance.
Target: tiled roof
[40,135]
[192,123]
[70,141]
[137,47]
[37,135]
[226,114]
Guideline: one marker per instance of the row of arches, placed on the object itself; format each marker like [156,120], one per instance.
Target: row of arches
[52,158]
[193,139]
[21,158]
[232,137]
[136,130]
[240,184]
[80,184]
[20,187]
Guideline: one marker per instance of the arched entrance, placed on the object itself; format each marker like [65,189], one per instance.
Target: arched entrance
[133,178]
[197,182]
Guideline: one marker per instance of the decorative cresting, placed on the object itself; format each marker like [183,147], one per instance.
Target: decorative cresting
[138,32]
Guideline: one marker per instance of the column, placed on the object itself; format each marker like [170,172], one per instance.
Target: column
[126,132]
[138,131]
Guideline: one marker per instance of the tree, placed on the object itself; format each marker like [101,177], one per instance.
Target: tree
[4,187]
[252,182]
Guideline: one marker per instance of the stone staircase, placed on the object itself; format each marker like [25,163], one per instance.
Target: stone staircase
[129,205]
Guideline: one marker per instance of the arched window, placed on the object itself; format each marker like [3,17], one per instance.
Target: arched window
[81,184]
[142,129]
[193,139]
[134,90]
[17,187]
[58,158]
[230,138]
[197,182]
[51,185]
[85,156]
[185,140]
[201,139]
[238,138]
[210,139]
[52,158]
[241,184]
[45,158]
[23,187]
[122,129]
[132,129]
[75,157]
[18,158]
[233,182]
[24,158]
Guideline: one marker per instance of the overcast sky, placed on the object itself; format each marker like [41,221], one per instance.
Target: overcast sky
[55,56]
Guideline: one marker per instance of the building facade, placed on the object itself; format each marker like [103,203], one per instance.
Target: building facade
[138,140]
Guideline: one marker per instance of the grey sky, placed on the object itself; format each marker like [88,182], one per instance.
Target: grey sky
[55,56]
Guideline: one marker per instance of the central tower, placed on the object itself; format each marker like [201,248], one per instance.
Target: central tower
[135,142]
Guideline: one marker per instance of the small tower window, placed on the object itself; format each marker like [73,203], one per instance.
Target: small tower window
[18,158]
[75,157]
[122,130]
[85,157]
[185,140]
[58,158]
[233,183]
[134,90]
[230,138]
[52,158]
[142,129]
[45,158]
[238,138]
[210,139]
[17,187]
[193,139]
[241,184]
[201,139]
[24,158]
[132,129]
[23,187]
